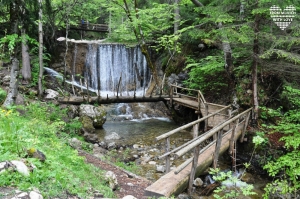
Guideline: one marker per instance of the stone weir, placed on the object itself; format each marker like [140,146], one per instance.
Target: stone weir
[106,66]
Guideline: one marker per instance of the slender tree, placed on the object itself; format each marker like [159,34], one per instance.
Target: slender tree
[40,29]
[13,86]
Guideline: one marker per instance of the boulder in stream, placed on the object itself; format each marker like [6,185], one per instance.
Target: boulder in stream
[96,113]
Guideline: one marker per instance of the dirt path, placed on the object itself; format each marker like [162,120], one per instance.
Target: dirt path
[129,184]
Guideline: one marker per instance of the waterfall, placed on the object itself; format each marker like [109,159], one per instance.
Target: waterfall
[107,63]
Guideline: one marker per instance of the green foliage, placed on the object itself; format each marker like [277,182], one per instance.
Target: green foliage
[2,95]
[63,169]
[114,157]
[11,41]
[224,192]
[289,163]
[202,73]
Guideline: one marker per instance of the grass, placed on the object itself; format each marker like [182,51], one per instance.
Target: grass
[114,157]
[64,171]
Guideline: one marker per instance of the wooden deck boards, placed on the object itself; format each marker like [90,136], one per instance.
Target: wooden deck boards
[213,121]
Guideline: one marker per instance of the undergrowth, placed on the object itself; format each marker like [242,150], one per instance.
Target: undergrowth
[64,171]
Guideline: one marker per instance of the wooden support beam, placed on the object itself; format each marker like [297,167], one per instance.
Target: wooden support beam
[245,127]
[119,85]
[217,149]
[168,157]
[231,142]
[206,121]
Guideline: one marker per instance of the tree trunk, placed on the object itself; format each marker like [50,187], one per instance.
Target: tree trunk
[176,16]
[254,69]
[40,87]
[13,86]
[26,70]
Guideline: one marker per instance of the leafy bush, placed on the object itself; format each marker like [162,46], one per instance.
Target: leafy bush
[63,171]
[289,163]
[206,74]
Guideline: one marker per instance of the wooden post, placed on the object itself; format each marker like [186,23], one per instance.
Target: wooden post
[245,127]
[199,101]
[167,157]
[171,95]
[162,85]
[229,116]
[231,141]
[234,157]
[73,85]
[81,85]
[206,121]
[87,88]
[134,88]
[195,160]
[217,149]
[119,85]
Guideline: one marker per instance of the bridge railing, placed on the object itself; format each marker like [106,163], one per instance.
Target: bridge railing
[91,27]
[190,93]
[167,135]
[195,143]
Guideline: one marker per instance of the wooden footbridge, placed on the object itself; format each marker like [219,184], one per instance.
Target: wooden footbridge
[90,27]
[221,130]
[225,125]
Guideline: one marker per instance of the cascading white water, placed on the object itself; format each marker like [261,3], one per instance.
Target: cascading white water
[106,63]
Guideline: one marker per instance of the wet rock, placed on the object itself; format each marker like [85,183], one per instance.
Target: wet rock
[97,114]
[75,143]
[90,137]
[111,178]
[160,168]
[103,144]
[111,145]
[51,94]
[198,182]
[113,136]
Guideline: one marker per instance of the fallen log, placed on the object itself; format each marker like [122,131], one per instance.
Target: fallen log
[110,100]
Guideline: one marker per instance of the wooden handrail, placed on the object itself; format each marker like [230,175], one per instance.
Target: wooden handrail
[189,124]
[209,134]
[199,93]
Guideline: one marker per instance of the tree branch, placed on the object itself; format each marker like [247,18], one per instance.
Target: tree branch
[197,3]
